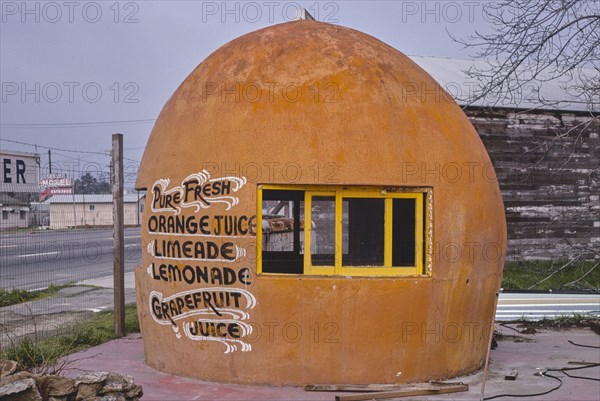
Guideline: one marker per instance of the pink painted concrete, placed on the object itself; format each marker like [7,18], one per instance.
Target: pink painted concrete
[548,349]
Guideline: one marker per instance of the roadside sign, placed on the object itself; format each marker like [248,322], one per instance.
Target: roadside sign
[19,171]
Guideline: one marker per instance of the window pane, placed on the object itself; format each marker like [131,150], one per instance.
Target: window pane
[278,225]
[283,231]
[403,234]
[323,231]
[363,229]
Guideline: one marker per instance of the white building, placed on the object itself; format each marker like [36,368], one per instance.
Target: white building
[15,214]
[92,210]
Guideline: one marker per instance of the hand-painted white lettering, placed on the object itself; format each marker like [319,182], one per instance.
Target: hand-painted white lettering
[208,306]
[197,190]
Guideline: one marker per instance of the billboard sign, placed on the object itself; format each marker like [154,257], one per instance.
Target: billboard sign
[56,181]
[19,171]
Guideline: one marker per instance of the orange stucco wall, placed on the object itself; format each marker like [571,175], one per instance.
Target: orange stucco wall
[311,103]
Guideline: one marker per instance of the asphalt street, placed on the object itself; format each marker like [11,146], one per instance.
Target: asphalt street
[35,260]
[85,256]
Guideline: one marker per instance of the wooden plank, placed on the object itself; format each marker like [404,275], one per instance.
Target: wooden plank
[547,190]
[401,393]
[365,388]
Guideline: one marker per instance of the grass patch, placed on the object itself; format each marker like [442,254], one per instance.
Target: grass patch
[43,354]
[551,275]
[17,296]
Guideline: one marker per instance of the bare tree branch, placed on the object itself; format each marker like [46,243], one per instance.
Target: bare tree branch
[583,276]
[537,41]
[542,54]
[554,272]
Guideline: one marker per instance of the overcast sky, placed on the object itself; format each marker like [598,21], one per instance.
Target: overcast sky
[76,63]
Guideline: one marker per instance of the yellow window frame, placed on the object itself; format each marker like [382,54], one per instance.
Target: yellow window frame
[422,229]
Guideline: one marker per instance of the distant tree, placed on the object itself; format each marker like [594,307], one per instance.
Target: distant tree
[89,184]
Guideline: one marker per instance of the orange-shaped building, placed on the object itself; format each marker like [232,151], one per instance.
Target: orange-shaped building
[319,210]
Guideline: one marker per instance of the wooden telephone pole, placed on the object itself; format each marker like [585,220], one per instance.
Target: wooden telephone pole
[117,181]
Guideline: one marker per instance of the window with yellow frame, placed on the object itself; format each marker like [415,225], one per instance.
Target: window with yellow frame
[353,231]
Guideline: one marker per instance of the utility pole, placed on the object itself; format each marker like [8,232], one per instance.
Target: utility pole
[49,162]
[117,182]
[138,208]
[74,213]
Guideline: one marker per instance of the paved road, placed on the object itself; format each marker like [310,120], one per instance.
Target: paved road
[31,261]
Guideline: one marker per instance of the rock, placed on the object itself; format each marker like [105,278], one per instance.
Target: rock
[22,390]
[117,383]
[8,367]
[89,385]
[88,391]
[56,386]
[118,397]
[93,377]
[96,386]
[135,392]
[16,377]
[109,397]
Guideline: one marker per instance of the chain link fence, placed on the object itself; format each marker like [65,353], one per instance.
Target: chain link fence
[56,262]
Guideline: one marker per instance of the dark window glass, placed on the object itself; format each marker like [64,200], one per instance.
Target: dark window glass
[403,232]
[363,229]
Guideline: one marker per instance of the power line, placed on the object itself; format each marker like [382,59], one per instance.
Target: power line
[52,148]
[89,162]
[66,150]
[78,158]
[78,124]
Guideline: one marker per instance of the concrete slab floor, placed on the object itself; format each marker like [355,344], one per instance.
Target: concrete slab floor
[526,353]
